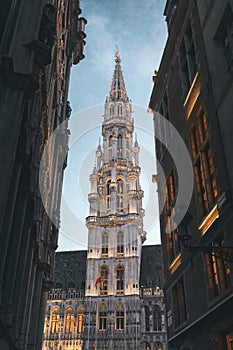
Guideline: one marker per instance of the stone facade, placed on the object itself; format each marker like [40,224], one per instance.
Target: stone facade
[193,91]
[39,43]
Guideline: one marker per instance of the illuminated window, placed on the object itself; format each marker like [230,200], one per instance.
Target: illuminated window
[188,60]
[218,272]
[69,320]
[120,317]
[55,320]
[102,317]
[170,198]
[203,164]
[45,323]
[120,279]
[147,318]
[120,244]
[80,326]
[104,280]
[120,195]
[157,320]
[104,244]
[179,303]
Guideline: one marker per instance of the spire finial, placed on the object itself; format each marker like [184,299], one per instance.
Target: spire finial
[117,55]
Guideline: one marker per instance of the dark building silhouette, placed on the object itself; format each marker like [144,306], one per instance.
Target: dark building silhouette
[40,40]
[193,91]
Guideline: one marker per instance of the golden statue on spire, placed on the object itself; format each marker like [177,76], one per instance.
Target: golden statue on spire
[117,55]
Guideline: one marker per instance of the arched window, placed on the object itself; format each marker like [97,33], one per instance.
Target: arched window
[69,320]
[119,146]
[55,320]
[80,327]
[120,244]
[104,280]
[120,279]
[147,318]
[104,251]
[120,195]
[157,320]
[111,110]
[108,194]
[119,316]
[102,317]
[120,110]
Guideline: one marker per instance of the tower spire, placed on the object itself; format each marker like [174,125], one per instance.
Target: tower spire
[118,90]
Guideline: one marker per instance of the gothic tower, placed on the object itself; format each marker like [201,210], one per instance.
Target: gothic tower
[115,230]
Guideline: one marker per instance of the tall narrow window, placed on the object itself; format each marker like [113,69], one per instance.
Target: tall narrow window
[120,279]
[104,251]
[173,241]
[188,61]
[69,320]
[45,323]
[179,303]
[80,327]
[120,244]
[203,164]
[218,272]
[108,195]
[120,196]
[147,318]
[119,146]
[120,316]
[104,280]
[102,317]
[111,110]
[120,110]
[55,320]
[157,320]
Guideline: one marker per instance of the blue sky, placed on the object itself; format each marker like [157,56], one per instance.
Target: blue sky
[139,30]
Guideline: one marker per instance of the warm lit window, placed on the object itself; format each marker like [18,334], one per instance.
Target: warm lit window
[120,195]
[157,320]
[179,303]
[147,318]
[55,320]
[104,280]
[69,320]
[203,164]
[104,251]
[188,61]
[45,323]
[80,326]
[120,317]
[218,272]
[120,279]
[102,317]
[120,244]
[170,198]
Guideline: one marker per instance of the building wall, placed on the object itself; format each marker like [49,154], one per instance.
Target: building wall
[40,42]
[198,284]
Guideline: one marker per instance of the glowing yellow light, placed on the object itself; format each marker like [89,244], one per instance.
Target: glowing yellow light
[209,220]
[175,263]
